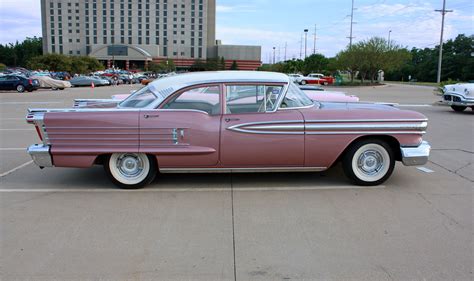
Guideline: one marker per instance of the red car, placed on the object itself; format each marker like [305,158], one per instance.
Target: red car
[230,121]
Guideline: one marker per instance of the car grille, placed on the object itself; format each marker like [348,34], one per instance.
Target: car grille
[452,98]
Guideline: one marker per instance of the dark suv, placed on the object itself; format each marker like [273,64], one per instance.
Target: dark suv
[18,83]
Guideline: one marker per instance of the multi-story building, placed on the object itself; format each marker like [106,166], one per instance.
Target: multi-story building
[130,33]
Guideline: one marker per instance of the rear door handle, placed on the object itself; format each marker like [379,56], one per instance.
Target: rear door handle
[146,116]
[231,119]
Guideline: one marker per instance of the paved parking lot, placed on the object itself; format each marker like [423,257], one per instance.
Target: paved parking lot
[73,224]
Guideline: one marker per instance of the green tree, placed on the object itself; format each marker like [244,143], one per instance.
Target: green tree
[315,63]
[19,54]
[234,66]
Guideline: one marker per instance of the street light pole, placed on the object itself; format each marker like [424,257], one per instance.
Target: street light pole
[274,55]
[305,43]
[389,32]
[440,59]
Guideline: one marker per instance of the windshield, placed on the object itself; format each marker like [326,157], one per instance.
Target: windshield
[295,98]
[142,98]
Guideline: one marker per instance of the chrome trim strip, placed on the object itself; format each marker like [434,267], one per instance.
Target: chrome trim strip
[416,156]
[242,170]
[365,120]
[367,133]
[339,127]
[122,109]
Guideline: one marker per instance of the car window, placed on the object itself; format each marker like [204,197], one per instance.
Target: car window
[203,99]
[252,98]
[141,98]
[3,78]
[295,98]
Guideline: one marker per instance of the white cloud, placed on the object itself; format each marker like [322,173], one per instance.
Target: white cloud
[235,9]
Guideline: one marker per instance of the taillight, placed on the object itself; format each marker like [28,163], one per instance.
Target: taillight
[39,132]
[30,81]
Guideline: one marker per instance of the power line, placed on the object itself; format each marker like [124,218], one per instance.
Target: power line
[440,59]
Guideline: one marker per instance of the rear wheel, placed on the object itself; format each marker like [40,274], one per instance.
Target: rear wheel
[131,170]
[303,82]
[368,162]
[458,108]
[20,88]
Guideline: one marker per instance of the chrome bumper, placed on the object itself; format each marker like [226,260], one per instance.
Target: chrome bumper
[41,155]
[458,100]
[416,156]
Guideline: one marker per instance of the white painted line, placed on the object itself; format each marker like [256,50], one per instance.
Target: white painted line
[415,105]
[33,102]
[13,149]
[17,168]
[424,169]
[205,189]
[30,129]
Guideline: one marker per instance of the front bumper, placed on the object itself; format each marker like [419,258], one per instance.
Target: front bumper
[41,155]
[416,156]
[451,99]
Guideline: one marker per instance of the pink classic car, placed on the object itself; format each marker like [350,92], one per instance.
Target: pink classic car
[229,122]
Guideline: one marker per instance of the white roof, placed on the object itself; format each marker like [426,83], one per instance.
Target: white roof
[177,82]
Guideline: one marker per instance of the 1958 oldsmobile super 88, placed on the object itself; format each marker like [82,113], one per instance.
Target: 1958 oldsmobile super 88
[229,122]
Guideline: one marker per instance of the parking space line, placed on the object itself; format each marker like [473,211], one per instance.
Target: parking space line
[30,129]
[415,105]
[17,168]
[204,189]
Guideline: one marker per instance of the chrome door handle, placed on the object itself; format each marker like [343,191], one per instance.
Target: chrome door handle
[146,116]
[231,119]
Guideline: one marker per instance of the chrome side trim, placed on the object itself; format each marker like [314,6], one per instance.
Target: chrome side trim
[242,170]
[365,120]
[367,133]
[340,127]
[416,156]
[40,155]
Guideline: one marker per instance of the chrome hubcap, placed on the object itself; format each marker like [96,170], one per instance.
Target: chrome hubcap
[130,165]
[370,162]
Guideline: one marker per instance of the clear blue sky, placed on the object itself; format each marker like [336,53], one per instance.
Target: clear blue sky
[275,22]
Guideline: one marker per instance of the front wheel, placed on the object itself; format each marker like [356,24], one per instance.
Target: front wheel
[368,162]
[131,170]
[458,108]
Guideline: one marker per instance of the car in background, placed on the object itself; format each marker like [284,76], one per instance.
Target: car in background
[459,96]
[49,82]
[19,83]
[317,78]
[296,78]
[317,93]
[81,81]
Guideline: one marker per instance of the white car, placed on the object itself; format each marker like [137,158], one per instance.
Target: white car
[296,78]
[459,96]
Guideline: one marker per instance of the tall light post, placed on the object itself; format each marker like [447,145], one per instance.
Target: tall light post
[389,32]
[274,55]
[305,43]
[440,59]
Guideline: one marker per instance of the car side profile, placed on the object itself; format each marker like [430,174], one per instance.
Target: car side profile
[229,121]
[18,83]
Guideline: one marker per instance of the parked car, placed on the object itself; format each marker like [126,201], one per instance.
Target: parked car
[296,78]
[19,83]
[319,94]
[48,82]
[459,96]
[207,122]
[316,78]
[88,80]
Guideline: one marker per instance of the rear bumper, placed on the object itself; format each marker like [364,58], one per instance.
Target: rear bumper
[41,155]
[416,156]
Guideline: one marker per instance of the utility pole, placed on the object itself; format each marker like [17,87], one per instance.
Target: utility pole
[389,32]
[286,45]
[279,57]
[440,59]
[352,22]
[305,43]
[314,46]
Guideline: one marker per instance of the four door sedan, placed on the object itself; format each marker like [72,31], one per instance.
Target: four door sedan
[231,121]
[18,83]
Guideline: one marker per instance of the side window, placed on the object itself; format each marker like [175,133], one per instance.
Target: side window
[203,98]
[295,98]
[252,98]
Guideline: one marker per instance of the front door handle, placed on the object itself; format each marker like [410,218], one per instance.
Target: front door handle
[231,119]
[146,116]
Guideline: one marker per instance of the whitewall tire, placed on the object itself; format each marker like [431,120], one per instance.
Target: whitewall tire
[131,170]
[368,162]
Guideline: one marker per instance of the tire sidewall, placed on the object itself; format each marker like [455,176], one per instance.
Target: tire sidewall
[151,170]
[351,155]
[20,88]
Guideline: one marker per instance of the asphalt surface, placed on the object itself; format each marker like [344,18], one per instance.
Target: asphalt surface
[73,224]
